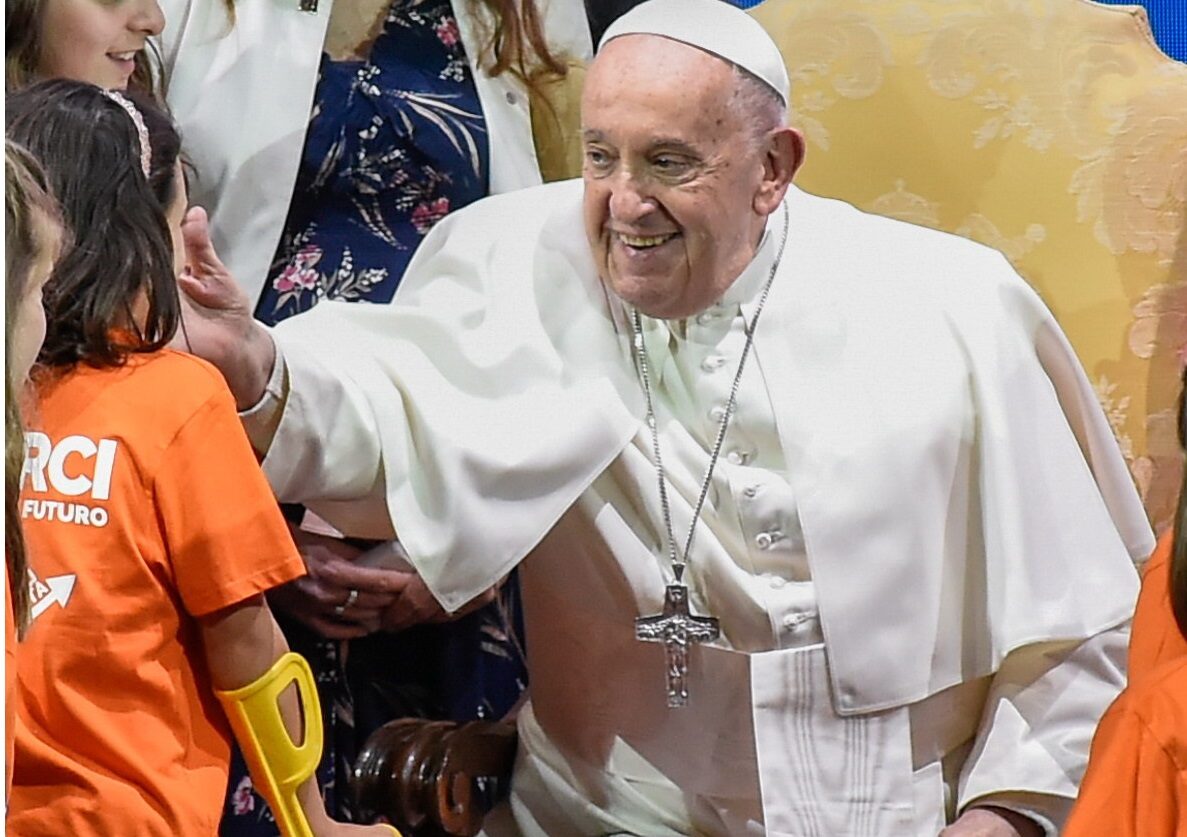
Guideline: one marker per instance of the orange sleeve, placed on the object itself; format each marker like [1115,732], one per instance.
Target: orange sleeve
[226,537]
[1156,637]
[1130,787]
[10,692]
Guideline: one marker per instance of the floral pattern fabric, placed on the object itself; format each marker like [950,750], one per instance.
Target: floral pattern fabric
[395,143]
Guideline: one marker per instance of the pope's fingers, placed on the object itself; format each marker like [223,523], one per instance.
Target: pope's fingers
[195,233]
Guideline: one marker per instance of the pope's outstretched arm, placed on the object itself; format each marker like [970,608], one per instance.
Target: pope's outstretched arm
[468,415]
[337,458]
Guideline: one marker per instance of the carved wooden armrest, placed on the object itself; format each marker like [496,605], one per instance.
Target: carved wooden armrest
[434,778]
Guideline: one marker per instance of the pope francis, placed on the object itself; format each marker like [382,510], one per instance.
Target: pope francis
[820,528]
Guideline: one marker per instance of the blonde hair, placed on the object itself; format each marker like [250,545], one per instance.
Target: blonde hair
[26,192]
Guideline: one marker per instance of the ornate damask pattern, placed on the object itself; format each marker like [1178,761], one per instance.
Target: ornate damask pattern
[1052,130]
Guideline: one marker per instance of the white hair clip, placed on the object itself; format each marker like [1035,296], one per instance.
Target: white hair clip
[141,128]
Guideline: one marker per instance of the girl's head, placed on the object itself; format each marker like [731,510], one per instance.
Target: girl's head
[32,239]
[103,42]
[113,289]
[32,242]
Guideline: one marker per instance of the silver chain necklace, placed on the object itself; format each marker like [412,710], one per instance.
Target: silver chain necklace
[676,627]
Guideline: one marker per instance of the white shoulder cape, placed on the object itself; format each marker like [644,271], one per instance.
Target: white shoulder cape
[961,493]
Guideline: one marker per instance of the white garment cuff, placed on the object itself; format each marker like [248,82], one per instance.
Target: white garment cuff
[260,419]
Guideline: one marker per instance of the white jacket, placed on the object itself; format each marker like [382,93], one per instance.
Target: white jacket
[241,94]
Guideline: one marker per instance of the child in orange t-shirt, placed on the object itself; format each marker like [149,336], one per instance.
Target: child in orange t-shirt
[32,235]
[1136,784]
[152,533]
[1156,636]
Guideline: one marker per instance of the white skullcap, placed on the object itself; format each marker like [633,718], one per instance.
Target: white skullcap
[713,26]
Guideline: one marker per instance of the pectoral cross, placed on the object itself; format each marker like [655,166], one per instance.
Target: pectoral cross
[676,628]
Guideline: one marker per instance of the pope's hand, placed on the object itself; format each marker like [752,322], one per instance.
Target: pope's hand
[217,324]
[992,822]
[338,599]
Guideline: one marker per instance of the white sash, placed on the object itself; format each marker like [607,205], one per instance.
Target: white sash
[824,775]
[800,770]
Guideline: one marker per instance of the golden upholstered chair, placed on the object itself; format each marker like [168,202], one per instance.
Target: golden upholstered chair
[1052,130]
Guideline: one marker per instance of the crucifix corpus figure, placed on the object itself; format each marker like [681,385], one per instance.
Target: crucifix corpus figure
[676,628]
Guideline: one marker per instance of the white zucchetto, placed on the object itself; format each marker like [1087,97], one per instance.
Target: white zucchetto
[713,26]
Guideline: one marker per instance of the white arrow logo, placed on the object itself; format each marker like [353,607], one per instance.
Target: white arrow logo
[60,588]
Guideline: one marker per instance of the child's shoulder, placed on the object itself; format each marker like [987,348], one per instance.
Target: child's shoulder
[179,383]
[167,387]
[180,371]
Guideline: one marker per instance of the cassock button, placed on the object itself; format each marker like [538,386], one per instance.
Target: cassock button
[794,620]
[765,540]
[712,363]
[511,98]
[750,491]
[738,457]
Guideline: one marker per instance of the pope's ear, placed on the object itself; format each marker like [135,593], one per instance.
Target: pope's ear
[784,156]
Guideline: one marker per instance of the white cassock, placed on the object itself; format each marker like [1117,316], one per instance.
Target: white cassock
[918,539]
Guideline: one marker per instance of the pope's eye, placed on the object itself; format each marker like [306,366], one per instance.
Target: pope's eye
[597,157]
[666,164]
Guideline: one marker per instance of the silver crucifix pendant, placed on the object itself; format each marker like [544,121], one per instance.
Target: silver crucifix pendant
[676,628]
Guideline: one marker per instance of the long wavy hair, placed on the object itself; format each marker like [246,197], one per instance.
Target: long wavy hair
[1178,582]
[26,193]
[22,49]
[122,251]
[515,42]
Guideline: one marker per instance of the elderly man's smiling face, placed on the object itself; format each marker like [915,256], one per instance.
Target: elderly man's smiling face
[677,184]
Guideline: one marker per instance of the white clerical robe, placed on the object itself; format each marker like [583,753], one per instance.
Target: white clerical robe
[930,612]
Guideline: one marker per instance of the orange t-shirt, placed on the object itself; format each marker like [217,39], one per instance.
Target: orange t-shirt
[1156,637]
[9,682]
[1136,784]
[144,507]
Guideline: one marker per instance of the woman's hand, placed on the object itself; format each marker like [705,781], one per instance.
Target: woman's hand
[338,599]
[415,605]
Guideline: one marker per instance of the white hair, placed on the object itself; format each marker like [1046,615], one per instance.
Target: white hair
[759,107]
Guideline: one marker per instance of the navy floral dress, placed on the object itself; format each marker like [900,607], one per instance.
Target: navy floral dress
[394,144]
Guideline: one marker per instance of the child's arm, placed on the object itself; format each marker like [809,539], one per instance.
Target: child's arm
[242,642]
